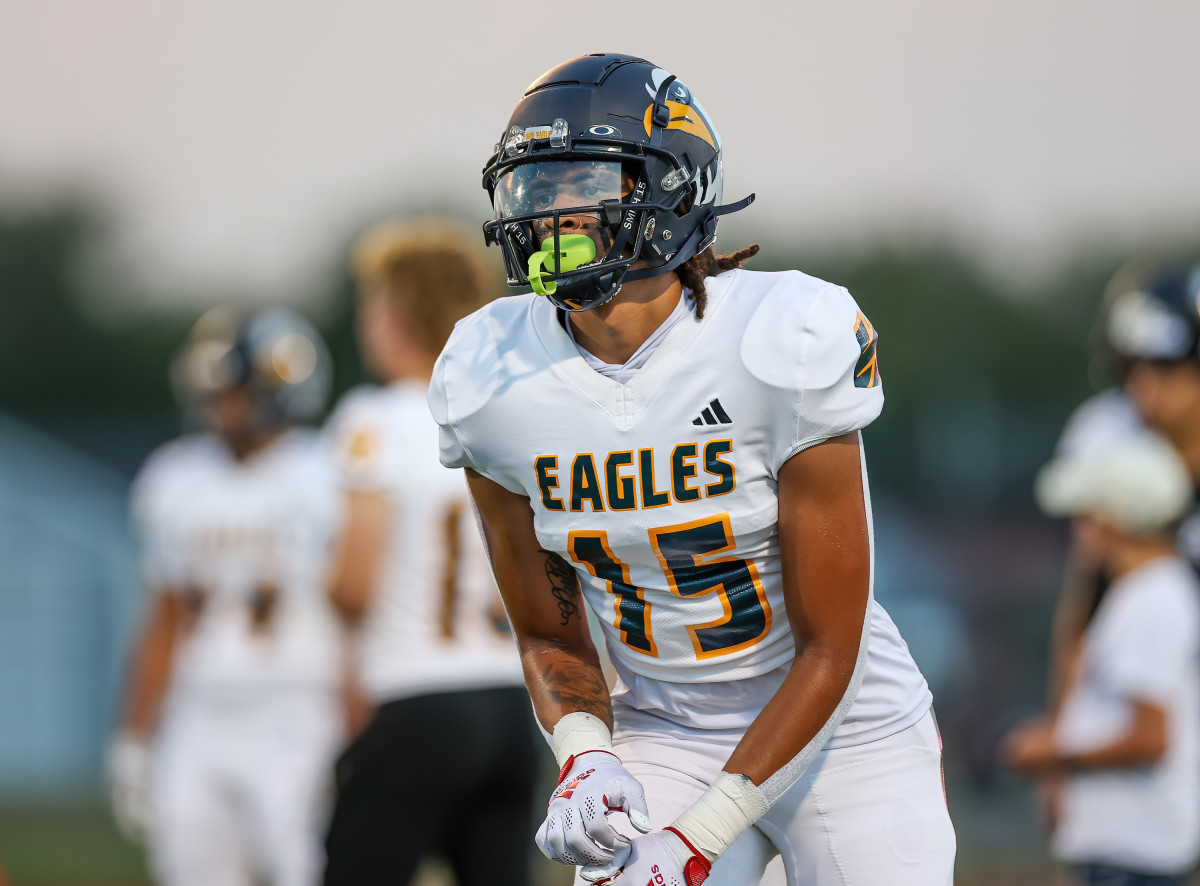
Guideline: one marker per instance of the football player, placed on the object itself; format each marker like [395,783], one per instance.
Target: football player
[436,655]
[1150,334]
[233,709]
[675,443]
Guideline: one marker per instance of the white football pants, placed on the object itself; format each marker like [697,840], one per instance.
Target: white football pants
[867,815]
[239,796]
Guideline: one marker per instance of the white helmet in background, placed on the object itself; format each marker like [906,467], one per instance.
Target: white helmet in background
[1138,483]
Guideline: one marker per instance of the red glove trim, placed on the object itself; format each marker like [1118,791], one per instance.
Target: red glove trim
[570,763]
[697,868]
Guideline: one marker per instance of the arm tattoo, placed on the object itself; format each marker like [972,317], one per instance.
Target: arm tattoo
[578,686]
[564,585]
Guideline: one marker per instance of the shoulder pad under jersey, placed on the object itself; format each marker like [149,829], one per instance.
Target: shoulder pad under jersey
[487,349]
[792,307]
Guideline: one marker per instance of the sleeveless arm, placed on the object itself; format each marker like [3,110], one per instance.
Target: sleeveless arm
[541,593]
[826,551]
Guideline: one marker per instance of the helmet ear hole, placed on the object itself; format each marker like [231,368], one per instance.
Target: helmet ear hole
[685,206]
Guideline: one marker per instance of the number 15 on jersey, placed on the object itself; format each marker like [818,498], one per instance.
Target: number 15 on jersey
[689,554]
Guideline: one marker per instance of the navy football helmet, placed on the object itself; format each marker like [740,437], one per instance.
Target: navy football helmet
[1154,314]
[607,159]
[274,354]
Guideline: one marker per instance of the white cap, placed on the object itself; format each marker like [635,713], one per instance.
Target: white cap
[1138,483]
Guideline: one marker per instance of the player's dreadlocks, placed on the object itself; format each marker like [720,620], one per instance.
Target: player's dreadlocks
[693,272]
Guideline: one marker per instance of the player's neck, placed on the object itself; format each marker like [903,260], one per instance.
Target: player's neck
[1131,554]
[246,446]
[1187,444]
[392,349]
[410,365]
[613,332]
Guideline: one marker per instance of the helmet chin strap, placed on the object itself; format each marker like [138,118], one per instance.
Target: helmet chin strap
[597,297]
[660,115]
[730,208]
[691,244]
[627,223]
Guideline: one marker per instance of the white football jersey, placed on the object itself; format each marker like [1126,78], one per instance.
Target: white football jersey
[437,622]
[249,544]
[1143,644]
[662,491]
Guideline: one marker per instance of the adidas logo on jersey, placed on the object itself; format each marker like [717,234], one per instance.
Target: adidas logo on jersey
[713,414]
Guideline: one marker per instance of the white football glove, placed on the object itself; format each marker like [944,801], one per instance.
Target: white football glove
[683,853]
[128,770]
[576,830]
[663,858]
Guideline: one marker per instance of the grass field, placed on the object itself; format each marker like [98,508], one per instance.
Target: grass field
[70,845]
[77,845]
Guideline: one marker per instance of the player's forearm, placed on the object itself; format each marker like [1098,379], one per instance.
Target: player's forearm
[825,549]
[806,701]
[1070,619]
[789,731]
[356,571]
[564,679]
[1138,747]
[545,606]
[351,594]
[1118,755]
[142,709]
[150,670]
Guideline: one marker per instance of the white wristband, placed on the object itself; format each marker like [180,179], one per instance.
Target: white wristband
[578,732]
[730,805]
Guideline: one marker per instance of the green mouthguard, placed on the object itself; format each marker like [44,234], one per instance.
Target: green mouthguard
[574,251]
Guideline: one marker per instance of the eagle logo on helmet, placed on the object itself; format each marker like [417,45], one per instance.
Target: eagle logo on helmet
[686,113]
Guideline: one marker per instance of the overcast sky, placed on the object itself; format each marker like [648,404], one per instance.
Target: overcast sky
[240,141]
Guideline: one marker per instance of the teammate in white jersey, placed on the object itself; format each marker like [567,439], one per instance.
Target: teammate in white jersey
[436,655]
[676,442]
[233,712]
[1126,739]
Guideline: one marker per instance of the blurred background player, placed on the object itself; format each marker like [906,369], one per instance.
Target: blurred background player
[1149,336]
[232,714]
[448,763]
[1125,737]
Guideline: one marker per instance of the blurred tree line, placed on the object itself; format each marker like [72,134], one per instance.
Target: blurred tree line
[979,373]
